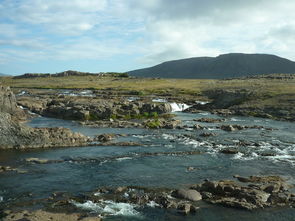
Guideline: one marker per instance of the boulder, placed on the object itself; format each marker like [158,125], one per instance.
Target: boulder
[104,137]
[188,194]
[229,151]
[207,134]
[227,128]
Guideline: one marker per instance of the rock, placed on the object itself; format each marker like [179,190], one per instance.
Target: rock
[171,124]
[122,144]
[262,191]
[207,134]
[161,123]
[9,105]
[104,137]
[224,98]
[188,194]
[191,168]
[7,168]
[184,208]
[14,135]
[209,120]
[121,189]
[198,127]
[227,128]
[206,195]
[40,215]
[267,154]
[242,179]
[229,151]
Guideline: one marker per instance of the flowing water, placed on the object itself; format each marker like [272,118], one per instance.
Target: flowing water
[78,170]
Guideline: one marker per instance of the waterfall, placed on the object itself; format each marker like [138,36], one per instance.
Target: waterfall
[178,107]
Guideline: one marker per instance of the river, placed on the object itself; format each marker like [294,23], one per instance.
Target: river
[78,170]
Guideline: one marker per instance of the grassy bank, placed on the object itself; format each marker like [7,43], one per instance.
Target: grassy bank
[273,95]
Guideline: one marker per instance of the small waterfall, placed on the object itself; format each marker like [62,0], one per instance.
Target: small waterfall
[178,107]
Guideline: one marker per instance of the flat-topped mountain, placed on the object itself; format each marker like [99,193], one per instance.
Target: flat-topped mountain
[223,66]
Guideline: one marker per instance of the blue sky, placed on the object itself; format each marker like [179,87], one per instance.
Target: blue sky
[121,35]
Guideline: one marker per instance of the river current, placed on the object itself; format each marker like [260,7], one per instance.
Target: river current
[78,170]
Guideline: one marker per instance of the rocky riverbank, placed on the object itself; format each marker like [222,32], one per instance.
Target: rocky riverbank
[15,135]
[91,109]
[105,104]
[246,102]
[254,192]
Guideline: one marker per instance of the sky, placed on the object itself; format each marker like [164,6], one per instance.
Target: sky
[48,36]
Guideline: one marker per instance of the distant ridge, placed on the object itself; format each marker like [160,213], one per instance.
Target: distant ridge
[1,74]
[231,65]
[69,73]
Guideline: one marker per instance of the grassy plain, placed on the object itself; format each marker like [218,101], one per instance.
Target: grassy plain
[262,86]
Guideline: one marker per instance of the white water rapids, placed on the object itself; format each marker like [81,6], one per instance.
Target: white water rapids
[178,107]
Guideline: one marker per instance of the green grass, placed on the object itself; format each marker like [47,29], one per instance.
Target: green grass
[268,91]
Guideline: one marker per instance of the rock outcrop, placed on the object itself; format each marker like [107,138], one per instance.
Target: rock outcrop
[41,215]
[92,109]
[261,192]
[14,134]
[8,103]
[17,136]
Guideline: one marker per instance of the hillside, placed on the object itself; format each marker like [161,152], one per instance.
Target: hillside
[223,66]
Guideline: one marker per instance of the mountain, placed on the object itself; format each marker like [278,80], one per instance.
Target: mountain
[1,74]
[223,66]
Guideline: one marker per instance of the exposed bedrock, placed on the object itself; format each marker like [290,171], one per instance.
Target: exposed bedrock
[75,108]
[18,136]
[8,103]
[14,134]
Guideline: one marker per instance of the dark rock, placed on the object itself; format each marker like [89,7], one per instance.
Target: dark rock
[207,134]
[104,137]
[198,127]
[210,120]
[184,208]
[122,144]
[229,151]
[7,168]
[261,192]
[227,128]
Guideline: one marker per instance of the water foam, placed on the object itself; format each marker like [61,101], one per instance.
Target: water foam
[130,99]
[159,100]
[236,119]
[108,207]
[124,158]
[202,102]
[178,107]
[152,204]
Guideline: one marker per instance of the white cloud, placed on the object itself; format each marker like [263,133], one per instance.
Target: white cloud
[65,17]
[159,30]
[179,29]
